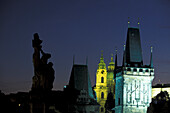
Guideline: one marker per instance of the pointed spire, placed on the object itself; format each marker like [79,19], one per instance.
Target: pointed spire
[124,47]
[87,60]
[111,64]
[151,49]
[112,57]
[101,53]
[138,22]
[128,22]
[116,50]
[159,81]
[73,59]
[124,60]
[151,59]
[101,65]
[115,65]
[116,59]
[101,58]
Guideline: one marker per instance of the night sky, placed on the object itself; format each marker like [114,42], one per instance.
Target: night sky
[81,28]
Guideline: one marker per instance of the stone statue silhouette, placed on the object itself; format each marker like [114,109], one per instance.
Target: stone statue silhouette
[43,71]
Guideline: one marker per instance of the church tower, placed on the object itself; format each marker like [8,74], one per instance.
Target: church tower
[133,79]
[101,88]
[110,77]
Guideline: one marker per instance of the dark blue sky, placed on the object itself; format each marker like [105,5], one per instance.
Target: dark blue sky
[81,28]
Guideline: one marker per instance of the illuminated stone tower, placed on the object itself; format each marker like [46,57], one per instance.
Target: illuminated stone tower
[133,79]
[101,88]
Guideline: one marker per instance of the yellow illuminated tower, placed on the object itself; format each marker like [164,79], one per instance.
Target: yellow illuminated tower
[101,88]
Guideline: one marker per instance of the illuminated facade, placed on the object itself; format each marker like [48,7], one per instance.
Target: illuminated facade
[104,82]
[133,79]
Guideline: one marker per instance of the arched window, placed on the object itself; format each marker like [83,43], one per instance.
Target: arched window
[102,109]
[119,101]
[140,70]
[102,95]
[135,70]
[128,69]
[102,79]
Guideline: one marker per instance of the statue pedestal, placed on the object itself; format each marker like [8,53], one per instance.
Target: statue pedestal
[40,101]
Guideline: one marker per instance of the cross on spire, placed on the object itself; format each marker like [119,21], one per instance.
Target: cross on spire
[128,22]
[151,59]
[138,22]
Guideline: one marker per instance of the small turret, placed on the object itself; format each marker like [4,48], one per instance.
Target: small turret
[115,65]
[151,60]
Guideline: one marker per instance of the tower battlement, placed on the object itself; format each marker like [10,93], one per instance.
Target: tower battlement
[135,71]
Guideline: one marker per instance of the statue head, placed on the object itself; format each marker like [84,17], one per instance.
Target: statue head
[50,64]
[36,41]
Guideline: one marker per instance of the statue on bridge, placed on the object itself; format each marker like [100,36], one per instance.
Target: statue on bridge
[43,71]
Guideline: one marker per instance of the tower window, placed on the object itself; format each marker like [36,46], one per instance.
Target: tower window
[102,95]
[102,79]
[102,109]
[119,101]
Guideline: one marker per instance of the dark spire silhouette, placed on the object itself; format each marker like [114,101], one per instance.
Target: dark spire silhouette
[138,22]
[123,64]
[115,66]
[73,59]
[87,60]
[128,22]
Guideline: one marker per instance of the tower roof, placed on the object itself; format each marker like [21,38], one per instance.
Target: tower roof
[111,64]
[101,65]
[80,79]
[133,50]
